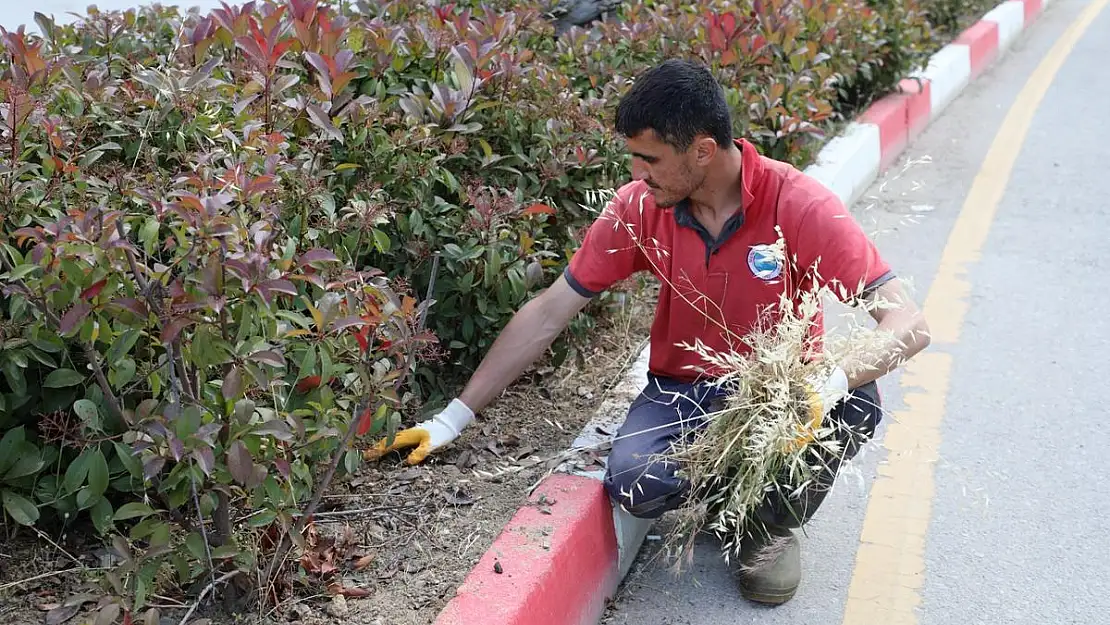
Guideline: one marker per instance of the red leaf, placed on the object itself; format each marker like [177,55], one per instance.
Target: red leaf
[233,384]
[250,46]
[348,322]
[132,304]
[279,285]
[94,289]
[318,255]
[74,317]
[365,421]
[174,328]
[539,209]
[260,185]
[279,51]
[319,62]
[308,384]
[240,464]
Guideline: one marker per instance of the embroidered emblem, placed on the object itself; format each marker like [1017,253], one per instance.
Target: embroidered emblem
[765,262]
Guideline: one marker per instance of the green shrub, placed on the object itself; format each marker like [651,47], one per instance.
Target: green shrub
[220,231]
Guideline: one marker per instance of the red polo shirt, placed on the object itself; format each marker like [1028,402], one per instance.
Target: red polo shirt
[714,291]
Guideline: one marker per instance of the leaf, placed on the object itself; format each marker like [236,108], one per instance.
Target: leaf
[22,271]
[206,459]
[76,473]
[277,428]
[98,473]
[318,255]
[348,322]
[319,118]
[101,515]
[62,378]
[88,412]
[20,508]
[12,440]
[148,234]
[73,317]
[381,241]
[539,209]
[269,357]
[240,464]
[28,461]
[62,613]
[130,462]
[174,328]
[153,466]
[133,510]
[233,384]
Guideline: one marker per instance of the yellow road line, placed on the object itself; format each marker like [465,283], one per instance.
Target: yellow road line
[890,563]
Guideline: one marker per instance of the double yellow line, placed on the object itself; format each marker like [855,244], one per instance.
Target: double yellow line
[890,564]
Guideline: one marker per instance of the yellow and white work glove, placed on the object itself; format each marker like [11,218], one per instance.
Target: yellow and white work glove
[429,436]
[823,397]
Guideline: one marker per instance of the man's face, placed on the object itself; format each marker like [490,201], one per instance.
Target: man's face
[671,175]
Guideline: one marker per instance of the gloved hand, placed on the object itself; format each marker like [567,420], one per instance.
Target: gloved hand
[823,397]
[427,437]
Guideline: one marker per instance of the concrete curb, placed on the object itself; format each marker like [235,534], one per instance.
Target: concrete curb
[564,554]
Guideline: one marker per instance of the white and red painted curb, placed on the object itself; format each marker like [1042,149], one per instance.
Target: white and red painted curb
[850,162]
[563,555]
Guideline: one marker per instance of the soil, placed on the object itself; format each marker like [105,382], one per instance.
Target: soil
[401,538]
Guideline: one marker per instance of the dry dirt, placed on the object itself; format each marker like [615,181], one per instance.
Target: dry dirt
[406,537]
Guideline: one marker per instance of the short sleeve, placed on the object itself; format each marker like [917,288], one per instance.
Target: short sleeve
[833,251]
[609,252]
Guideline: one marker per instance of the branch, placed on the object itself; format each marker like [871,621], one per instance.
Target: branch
[144,287]
[204,593]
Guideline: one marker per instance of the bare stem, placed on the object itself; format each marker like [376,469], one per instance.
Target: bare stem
[204,593]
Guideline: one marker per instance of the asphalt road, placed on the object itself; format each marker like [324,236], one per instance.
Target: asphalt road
[1016,530]
[14,13]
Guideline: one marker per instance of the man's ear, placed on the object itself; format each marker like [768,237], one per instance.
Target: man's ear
[705,149]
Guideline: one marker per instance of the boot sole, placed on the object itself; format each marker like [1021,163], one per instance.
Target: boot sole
[770,598]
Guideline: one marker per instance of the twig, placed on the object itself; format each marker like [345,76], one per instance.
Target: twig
[176,360]
[207,589]
[43,536]
[343,513]
[43,576]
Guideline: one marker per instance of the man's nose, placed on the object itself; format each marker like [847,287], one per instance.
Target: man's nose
[639,171]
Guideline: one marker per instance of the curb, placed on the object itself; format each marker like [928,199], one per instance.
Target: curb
[565,552]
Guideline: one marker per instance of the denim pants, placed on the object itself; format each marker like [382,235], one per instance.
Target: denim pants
[667,410]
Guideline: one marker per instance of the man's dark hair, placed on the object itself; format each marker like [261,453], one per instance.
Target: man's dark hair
[678,99]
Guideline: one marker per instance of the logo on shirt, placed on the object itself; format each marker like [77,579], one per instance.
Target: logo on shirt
[765,262]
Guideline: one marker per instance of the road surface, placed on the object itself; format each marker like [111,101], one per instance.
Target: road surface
[14,13]
[1009,524]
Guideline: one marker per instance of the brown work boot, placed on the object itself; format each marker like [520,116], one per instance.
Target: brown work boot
[770,565]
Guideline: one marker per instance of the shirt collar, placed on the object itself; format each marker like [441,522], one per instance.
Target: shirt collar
[751,170]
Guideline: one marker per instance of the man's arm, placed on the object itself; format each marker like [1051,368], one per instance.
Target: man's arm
[531,330]
[901,322]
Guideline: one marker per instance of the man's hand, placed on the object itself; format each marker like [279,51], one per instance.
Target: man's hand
[427,437]
[824,395]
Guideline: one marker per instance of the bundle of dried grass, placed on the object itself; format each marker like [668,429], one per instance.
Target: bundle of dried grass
[769,438]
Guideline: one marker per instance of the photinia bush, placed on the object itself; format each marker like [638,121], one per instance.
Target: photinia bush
[240,243]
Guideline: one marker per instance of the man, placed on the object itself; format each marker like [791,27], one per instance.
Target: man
[704,214]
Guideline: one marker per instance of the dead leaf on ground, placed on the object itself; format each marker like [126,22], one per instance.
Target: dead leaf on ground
[62,613]
[460,497]
[348,591]
[364,562]
[466,460]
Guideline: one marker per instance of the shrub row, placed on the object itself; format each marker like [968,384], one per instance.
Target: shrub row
[220,230]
